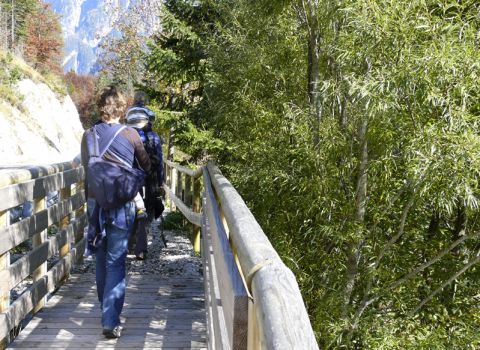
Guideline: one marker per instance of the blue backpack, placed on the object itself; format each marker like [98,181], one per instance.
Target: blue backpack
[111,184]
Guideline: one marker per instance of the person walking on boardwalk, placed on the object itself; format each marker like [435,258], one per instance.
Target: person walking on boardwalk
[141,118]
[114,148]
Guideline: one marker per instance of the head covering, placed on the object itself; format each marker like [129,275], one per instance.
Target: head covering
[137,117]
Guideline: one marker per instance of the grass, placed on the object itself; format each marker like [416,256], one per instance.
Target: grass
[13,69]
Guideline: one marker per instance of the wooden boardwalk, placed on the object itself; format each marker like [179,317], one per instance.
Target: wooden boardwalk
[159,313]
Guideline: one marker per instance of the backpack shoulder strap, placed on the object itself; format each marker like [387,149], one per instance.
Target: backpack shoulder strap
[110,136]
[92,142]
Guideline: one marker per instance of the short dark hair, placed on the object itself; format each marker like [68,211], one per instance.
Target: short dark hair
[140,97]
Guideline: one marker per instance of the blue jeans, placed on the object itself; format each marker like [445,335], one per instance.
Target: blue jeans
[110,274]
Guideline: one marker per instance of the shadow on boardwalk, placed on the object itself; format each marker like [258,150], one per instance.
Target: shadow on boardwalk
[163,309]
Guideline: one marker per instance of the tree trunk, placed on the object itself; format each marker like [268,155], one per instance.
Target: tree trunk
[354,249]
[314,95]
[13,26]
[171,144]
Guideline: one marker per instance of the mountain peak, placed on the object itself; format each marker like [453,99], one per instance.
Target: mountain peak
[86,23]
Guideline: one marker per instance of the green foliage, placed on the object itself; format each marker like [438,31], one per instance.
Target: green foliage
[174,221]
[20,11]
[351,130]
[398,102]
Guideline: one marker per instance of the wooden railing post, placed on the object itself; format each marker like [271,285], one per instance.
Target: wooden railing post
[79,186]
[4,264]
[37,240]
[196,209]
[188,191]
[173,186]
[65,193]
[179,188]
[167,174]
[253,339]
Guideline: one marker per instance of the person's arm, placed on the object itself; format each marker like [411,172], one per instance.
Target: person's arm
[77,161]
[140,153]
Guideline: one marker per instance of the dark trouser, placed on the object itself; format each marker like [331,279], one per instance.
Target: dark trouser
[138,238]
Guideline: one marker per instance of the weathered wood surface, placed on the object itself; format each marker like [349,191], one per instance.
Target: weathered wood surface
[15,174]
[159,313]
[279,309]
[231,287]
[18,193]
[193,173]
[190,215]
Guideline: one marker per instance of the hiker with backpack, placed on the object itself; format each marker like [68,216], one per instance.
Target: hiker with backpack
[141,118]
[109,151]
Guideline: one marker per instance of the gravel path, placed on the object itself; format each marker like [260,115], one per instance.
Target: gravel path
[175,260]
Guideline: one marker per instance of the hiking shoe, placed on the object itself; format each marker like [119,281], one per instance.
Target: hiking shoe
[141,256]
[112,333]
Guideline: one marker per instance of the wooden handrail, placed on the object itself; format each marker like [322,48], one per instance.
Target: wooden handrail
[187,171]
[280,312]
[14,175]
[31,185]
[234,241]
[190,215]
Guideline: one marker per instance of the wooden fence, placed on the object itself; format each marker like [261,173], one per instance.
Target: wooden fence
[252,298]
[46,241]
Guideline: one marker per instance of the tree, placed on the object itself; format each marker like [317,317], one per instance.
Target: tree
[13,15]
[176,65]
[82,89]
[121,53]
[378,215]
[44,41]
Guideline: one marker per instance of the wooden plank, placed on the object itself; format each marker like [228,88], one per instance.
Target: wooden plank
[192,217]
[179,187]
[232,290]
[206,253]
[102,343]
[19,232]
[219,336]
[23,174]
[253,342]
[171,190]
[39,240]
[188,191]
[280,311]
[75,319]
[65,194]
[196,209]
[18,194]
[5,296]
[79,214]
[68,233]
[56,275]
[187,171]
[22,306]
[23,267]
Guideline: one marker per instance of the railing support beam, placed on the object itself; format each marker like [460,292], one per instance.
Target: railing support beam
[4,264]
[196,209]
[37,240]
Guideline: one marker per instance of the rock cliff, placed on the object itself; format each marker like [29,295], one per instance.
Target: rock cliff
[43,128]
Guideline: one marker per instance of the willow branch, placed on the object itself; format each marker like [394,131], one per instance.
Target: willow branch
[472,262]
[400,231]
[423,266]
